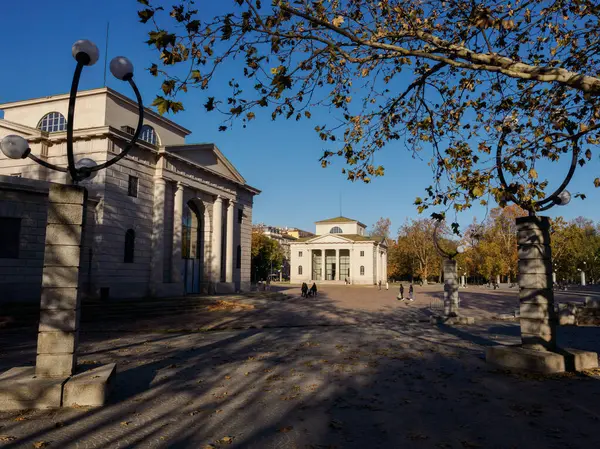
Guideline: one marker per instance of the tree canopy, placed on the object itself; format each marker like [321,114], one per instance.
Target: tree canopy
[446,79]
[267,256]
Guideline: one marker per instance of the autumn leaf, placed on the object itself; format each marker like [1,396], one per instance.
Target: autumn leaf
[533,174]
[286,429]
[41,444]
[7,438]
[226,440]
[337,21]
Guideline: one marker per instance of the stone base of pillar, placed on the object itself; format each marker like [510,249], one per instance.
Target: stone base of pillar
[21,389]
[224,288]
[545,362]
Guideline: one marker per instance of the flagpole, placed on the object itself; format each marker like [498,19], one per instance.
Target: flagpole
[106,52]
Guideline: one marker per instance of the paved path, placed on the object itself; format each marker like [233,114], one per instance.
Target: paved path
[357,370]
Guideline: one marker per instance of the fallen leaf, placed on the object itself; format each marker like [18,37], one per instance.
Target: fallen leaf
[20,418]
[40,444]
[125,423]
[226,440]
[6,438]
[209,446]
[286,429]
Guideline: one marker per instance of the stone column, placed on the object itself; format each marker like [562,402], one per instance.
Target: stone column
[177,229]
[216,238]
[229,245]
[538,317]
[450,288]
[323,266]
[337,264]
[59,310]
[158,234]
[582,278]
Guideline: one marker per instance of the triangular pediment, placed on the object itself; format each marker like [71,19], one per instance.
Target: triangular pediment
[329,238]
[209,156]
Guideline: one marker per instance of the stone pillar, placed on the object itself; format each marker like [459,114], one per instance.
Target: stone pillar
[450,288]
[158,234]
[177,229]
[229,245]
[337,264]
[582,278]
[323,266]
[59,309]
[216,238]
[538,317]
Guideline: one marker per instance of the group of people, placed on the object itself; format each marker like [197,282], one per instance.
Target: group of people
[306,292]
[411,293]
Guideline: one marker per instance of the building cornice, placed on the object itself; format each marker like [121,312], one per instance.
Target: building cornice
[169,155]
[91,92]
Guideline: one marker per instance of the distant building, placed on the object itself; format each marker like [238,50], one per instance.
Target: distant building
[339,251]
[298,233]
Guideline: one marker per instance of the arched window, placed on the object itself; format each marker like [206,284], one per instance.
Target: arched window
[336,230]
[299,269]
[148,135]
[53,122]
[238,263]
[362,270]
[129,246]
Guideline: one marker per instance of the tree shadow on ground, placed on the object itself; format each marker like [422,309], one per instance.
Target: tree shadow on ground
[331,377]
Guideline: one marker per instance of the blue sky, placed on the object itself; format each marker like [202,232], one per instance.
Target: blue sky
[280,158]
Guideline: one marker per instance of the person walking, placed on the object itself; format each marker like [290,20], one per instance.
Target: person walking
[400,293]
[387,285]
[411,293]
[379,284]
[313,290]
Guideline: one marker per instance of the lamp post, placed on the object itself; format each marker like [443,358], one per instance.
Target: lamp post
[450,275]
[54,380]
[538,350]
[536,296]
[86,54]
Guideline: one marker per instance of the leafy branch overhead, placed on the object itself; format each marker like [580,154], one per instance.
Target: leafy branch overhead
[442,79]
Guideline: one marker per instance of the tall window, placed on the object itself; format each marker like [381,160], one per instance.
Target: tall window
[53,122]
[299,253]
[238,263]
[240,216]
[129,246]
[148,135]
[300,270]
[336,230]
[10,231]
[362,254]
[133,186]
[362,270]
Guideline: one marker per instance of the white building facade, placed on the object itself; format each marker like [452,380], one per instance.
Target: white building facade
[339,252]
[170,218]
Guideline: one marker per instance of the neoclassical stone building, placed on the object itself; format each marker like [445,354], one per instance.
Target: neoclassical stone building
[170,218]
[340,251]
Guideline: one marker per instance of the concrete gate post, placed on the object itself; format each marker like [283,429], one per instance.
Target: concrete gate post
[536,296]
[54,381]
[450,288]
[60,303]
